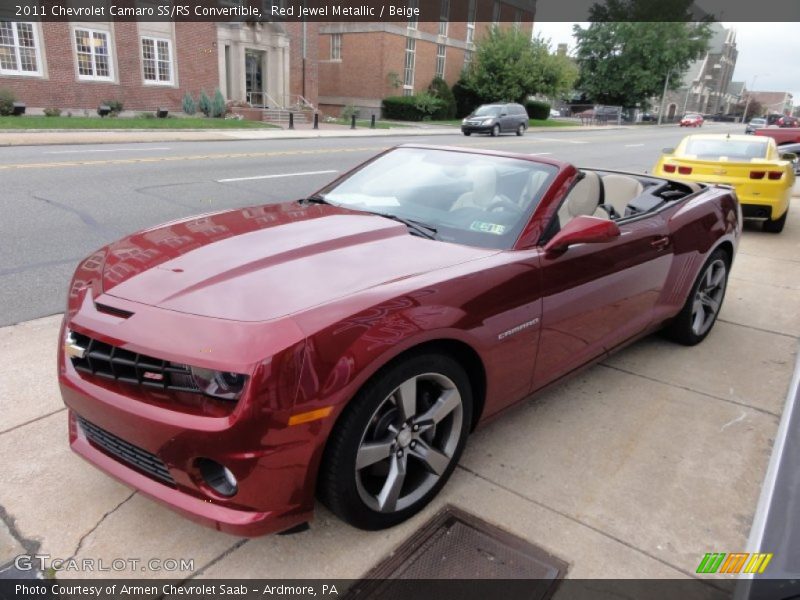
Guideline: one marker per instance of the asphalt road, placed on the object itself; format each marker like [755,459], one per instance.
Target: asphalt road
[59,203]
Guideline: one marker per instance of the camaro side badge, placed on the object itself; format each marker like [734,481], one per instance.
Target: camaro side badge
[518,328]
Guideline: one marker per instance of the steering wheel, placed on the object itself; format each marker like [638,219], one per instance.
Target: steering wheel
[501,202]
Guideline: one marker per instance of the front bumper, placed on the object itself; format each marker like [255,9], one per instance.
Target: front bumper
[272,462]
[467,128]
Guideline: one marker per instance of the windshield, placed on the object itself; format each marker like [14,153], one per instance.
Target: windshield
[488,111]
[757,121]
[716,149]
[470,199]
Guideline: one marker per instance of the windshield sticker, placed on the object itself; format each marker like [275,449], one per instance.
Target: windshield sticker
[487,227]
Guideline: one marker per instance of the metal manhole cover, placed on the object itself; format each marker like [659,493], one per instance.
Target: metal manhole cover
[458,552]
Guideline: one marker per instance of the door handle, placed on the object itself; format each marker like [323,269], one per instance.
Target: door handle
[660,243]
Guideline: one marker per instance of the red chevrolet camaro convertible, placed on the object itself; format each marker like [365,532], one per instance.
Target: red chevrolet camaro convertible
[236,365]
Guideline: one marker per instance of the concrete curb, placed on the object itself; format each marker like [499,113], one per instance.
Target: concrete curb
[45,137]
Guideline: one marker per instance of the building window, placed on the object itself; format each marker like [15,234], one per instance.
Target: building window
[94,54]
[441,52]
[408,72]
[496,13]
[413,20]
[444,17]
[336,46]
[471,22]
[19,49]
[157,60]
[467,59]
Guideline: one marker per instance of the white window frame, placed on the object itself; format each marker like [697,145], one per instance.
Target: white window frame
[496,10]
[441,58]
[444,17]
[468,57]
[471,22]
[336,46]
[408,69]
[39,72]
[413,20]
[156,59]
[109,42]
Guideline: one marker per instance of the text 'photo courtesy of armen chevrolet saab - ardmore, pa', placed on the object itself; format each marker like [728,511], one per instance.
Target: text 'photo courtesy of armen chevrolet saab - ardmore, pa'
[428,298]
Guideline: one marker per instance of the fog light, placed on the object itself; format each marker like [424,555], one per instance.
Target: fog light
[218,477]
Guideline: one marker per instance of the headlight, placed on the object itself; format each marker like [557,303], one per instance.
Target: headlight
[463,121]
[488,121]
[220,384]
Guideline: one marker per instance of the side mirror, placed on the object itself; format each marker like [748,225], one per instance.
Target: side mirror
[668,150]
[583,230]
[790,156]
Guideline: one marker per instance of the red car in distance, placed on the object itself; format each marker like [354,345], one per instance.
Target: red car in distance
[692,120]
[235,365]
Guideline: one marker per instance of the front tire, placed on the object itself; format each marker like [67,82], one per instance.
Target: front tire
[776,225]
[467,133]
[495,130]
[702,307]
[397,443]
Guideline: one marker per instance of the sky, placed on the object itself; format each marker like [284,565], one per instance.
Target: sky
[767,53]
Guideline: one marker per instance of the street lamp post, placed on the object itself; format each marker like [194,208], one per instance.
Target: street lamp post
[663,97]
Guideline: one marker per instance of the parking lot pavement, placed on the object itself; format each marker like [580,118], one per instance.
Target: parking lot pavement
[635,468]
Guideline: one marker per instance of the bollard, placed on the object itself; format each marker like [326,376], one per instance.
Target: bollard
[352,122]
[316,120]
[291,120]
[372,122]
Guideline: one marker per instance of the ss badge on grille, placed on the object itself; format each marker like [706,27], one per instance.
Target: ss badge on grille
[72,349]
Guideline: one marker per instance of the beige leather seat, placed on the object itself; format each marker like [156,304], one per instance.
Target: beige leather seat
[484,186]
[583,199]
[620,190]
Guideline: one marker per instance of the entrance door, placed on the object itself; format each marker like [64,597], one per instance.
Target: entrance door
[256,92]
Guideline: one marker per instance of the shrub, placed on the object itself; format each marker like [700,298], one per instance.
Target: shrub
[189,105]
[114,105]
[7,99]
[411,108]
[52,112]
[146,115]
[218,106]
[350,111]
[537,109]
[439,89]
[466,100]
[204,103]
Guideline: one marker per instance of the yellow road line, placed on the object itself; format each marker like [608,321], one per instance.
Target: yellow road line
[240,155]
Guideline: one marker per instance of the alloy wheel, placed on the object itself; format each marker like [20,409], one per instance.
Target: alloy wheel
[708,298]
[409,442]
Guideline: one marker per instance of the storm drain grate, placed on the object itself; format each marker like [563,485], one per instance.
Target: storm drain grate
[458,553]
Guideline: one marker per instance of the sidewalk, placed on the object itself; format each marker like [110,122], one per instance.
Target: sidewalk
[43,137]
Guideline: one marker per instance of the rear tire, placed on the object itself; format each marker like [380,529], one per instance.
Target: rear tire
[521,130]
[495,131]
[776,226]
[397,442]
[700,312]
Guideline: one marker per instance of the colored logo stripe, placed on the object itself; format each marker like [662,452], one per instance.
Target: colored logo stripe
[714,562]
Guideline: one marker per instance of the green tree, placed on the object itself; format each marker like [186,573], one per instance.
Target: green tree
[632,46]
[510,66]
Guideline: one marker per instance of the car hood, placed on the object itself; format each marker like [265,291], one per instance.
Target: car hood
[263,263]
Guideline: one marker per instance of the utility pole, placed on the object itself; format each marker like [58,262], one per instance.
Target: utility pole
[663,97]
[749,96]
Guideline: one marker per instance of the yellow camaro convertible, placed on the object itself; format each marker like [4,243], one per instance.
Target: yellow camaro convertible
[753,166]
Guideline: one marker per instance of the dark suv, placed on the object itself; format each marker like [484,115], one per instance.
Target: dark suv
[496,119]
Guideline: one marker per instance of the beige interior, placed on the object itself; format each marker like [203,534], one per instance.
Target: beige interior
[620,190]
[583,199]
[484,185]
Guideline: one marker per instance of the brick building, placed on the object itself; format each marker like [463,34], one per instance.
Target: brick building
[362,63]
[146,65]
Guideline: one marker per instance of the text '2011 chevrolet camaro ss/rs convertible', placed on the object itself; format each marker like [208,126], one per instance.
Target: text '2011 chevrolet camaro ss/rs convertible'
[236,365]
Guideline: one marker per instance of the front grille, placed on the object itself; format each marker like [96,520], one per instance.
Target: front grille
[112,362]
[134,456]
